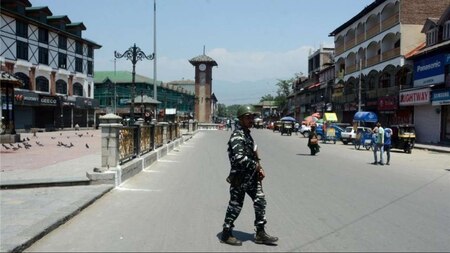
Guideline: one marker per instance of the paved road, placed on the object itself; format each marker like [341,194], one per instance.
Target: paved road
[336,201]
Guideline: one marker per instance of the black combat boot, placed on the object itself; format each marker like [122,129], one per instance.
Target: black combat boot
[262,237]
[228,238]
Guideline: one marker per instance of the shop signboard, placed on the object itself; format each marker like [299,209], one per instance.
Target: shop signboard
[48,100]
[440,97]
[430,70]
[26,98]
[415,97]
[388,103]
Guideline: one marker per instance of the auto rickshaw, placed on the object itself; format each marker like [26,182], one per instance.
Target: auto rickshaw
[403,137]
[287,127]
[277,125]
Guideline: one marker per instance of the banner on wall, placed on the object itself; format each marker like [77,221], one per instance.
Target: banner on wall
[415,97]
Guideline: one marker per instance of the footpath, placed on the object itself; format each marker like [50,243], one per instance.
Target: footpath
[44,185]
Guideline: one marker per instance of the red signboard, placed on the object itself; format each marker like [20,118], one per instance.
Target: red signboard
[387,103]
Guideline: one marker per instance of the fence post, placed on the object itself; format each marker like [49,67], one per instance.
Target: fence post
[165,127]
[110,125]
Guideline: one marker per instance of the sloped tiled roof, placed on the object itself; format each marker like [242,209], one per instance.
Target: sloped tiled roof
[121,77]
[203,59]
[415,50]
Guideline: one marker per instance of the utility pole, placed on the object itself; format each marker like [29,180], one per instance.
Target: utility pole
[155,86]
[359,87]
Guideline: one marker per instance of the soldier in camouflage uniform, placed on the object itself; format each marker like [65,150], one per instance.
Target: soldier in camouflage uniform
[246,176]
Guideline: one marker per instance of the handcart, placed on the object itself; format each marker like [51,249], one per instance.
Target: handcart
[364,136]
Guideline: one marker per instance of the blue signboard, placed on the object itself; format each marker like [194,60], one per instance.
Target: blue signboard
[440,97]
[430,70]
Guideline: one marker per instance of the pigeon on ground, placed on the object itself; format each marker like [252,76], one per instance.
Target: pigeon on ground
[87,146]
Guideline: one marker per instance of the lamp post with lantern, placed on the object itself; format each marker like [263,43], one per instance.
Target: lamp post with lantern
[134,54]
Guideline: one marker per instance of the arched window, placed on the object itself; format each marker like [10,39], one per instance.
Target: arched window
[349,88]
[385,80]
[42,84]
[61,87]
[25,80]
[77,89]
[371,85]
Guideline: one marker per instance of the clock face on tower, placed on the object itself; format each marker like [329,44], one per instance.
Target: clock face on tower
[202,67]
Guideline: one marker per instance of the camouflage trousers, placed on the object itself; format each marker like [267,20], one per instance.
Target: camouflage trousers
[237,196]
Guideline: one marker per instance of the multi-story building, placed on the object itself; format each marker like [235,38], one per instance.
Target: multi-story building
[370,51]
[313,93]
[54,62]
[430,94]
[112,90]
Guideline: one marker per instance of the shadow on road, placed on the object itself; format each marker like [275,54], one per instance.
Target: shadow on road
[242,236]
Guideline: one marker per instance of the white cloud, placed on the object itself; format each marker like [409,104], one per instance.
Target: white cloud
[232,66]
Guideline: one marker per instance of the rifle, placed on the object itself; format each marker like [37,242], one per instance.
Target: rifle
[258,169]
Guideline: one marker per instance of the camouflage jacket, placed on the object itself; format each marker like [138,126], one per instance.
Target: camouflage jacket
[241,151]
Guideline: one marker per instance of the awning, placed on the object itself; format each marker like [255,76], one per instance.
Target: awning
[366,117]
[313,85]
[330,116]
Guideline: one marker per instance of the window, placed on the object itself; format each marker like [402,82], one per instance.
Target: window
[431,37]
[446,34]
[43,35]
[22,50]
[25,80]
[61,87]
[78,64]
[62,60]
[372,83]
[43,55]
[77,89]
[90,69]
[62,42]
[79,48]
[385,80]
[90,52]
[21,29]
[89,90]
[42,84]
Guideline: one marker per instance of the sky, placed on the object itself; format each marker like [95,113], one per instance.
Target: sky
[254,42]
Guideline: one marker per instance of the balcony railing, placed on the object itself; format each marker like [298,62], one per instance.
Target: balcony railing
[389,22]
[360,38]
[391,54]
[374,30]
[373,60]
[349,44]
[350,69]
[339,49]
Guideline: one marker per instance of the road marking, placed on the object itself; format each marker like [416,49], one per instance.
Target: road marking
[119,188]
[168,161]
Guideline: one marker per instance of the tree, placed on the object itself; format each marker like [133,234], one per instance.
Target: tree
[267,97]
[222,110]
[283,91]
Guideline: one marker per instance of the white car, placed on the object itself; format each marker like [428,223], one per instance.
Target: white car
[348,135]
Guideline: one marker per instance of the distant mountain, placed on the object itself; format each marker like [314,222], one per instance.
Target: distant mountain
[245,92]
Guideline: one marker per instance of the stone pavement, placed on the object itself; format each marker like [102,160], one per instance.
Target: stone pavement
[44,186]
[30,208]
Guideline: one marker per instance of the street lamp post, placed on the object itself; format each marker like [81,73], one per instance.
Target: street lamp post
[134,54]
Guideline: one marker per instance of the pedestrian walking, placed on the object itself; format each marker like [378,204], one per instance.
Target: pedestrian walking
[380,142]
[313,141]
[374,145]
[246,175]
[387,144]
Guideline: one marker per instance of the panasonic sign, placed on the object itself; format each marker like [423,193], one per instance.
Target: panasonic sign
[430,70]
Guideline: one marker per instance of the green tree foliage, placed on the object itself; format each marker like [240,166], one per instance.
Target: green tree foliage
[267,97]
[222,110]
[283,91]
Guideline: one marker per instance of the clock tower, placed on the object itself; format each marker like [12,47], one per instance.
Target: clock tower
[203,87]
